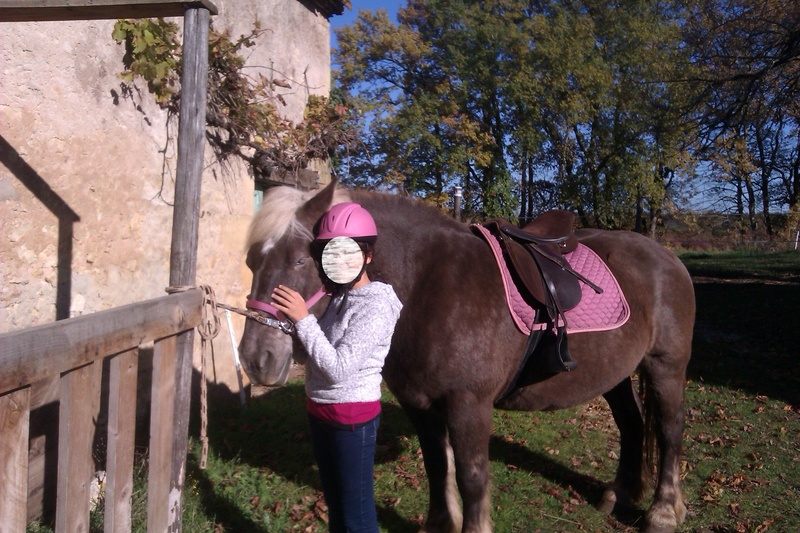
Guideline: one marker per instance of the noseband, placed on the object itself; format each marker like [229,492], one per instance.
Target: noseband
[272,319]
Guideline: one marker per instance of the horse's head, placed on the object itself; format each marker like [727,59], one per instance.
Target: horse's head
[279,253]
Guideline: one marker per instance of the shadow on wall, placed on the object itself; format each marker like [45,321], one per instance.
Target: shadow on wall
[63,212]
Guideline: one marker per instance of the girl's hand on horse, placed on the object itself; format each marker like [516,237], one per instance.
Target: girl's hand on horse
[290,303]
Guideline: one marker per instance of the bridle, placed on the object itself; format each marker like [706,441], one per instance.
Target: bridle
[273,317]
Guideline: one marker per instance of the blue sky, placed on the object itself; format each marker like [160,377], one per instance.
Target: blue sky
[350,15]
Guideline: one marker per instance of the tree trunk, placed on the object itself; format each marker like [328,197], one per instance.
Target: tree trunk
[525,191]
[638,224]
[751,204]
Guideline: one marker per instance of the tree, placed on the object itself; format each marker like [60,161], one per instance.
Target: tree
[749,56]
[418,138]
[609,106]
[570,103]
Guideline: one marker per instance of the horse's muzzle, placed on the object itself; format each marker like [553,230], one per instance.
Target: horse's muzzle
[265,354]
[264,370]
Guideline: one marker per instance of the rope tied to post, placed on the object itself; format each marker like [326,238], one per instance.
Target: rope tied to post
[208,328]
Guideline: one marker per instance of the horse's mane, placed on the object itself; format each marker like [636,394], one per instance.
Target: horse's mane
[276,216]
[410,211]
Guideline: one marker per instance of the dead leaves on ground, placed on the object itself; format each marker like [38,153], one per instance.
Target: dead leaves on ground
[736,483]
[748,437]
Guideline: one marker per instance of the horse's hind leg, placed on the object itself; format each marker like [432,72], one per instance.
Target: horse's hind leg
[444,509]
[664,399]
[469,423]
[628,486]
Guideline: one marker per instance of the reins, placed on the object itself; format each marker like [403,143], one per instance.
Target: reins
[285,326]
[273,315]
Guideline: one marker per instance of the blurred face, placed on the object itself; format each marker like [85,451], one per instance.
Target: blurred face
[342,260]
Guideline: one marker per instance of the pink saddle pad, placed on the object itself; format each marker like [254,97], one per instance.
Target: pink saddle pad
[595,312]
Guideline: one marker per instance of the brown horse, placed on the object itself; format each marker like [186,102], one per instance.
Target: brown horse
[456,348]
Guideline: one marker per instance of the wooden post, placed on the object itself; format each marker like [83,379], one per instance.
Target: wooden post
[185,224]
[80,393]
[123,371]
[163,502]
[14,418]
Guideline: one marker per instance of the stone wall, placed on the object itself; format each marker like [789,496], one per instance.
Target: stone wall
[87,174]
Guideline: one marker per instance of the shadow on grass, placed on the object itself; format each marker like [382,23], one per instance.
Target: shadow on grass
[589,488]
[272,433]
[225,512]
[746,337]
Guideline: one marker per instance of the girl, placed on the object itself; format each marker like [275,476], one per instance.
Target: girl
[346,349]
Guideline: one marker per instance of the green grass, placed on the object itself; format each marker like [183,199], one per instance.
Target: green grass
[741,468]
[744,264]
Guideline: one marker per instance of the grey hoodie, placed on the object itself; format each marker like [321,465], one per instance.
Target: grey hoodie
[346,350]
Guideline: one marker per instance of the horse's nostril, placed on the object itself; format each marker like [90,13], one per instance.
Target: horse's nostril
[257,364]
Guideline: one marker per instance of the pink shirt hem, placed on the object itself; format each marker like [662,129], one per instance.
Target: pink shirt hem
[344,413]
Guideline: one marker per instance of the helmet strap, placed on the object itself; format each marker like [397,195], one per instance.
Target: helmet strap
[344,289]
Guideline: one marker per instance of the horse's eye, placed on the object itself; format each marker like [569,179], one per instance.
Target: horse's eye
[301,261]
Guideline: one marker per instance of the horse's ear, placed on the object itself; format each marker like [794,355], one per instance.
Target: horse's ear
[318,205]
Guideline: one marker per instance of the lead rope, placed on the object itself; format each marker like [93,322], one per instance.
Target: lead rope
[208,328]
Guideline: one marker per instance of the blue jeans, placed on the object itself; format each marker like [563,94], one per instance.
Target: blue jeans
[346,460]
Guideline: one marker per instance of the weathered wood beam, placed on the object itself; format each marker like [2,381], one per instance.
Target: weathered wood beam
[51,10]
[80,396]
[185,229]
[163,503]
[122,401]
[327,8]
[33,354]
[14,427]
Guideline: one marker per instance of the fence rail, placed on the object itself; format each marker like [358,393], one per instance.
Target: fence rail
[72,351]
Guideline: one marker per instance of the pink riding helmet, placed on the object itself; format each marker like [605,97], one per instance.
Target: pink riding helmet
[347,219]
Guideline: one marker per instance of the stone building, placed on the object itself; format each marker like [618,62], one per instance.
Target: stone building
[87,174]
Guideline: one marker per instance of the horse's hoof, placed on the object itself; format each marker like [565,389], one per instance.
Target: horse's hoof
[609,501]
[429,528]
[681,511]
[661,520]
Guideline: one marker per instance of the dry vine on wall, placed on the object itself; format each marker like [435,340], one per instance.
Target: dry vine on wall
[242,111]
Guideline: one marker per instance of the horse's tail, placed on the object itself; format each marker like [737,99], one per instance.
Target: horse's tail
[650,453]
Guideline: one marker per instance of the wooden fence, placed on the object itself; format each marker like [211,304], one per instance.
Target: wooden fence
[72,352]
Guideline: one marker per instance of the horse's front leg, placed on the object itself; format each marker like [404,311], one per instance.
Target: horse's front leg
[469,422]
[444,510]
